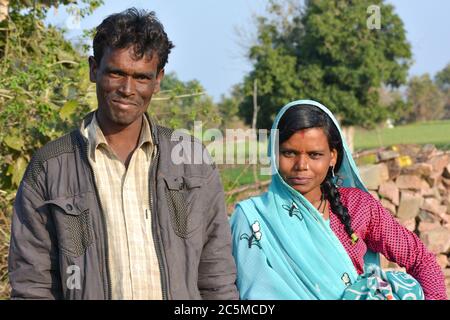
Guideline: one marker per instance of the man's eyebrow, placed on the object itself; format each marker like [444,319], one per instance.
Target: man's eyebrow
[136,74]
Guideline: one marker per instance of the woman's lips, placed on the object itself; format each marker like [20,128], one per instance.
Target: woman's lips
[299,180]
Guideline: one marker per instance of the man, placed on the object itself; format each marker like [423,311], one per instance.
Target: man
[104,212]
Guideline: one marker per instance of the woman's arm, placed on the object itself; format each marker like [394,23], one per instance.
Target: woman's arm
[396,243]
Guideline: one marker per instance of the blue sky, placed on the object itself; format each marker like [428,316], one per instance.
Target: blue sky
[209,49]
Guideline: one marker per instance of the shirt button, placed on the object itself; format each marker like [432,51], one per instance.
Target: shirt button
[69,207]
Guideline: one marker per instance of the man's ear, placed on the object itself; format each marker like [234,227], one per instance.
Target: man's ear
[93,67]
[159,78]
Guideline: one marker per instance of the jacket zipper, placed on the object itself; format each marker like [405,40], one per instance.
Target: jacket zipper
[108,277]
[156,240]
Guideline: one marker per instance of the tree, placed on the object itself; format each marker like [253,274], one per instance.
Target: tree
[44,91]
[325,51]
[442,80]
[44,84]
[180,103]
[426,99]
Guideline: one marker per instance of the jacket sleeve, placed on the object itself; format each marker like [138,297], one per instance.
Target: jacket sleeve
[398,244]
[33,256]
[217,270]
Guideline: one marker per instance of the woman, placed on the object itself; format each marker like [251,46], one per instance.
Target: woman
[306,238]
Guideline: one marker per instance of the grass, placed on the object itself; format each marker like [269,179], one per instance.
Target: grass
[434,132]
[233,177]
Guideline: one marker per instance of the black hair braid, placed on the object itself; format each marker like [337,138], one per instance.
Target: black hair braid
[332,195]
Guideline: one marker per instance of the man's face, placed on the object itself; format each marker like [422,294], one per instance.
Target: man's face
[124,85]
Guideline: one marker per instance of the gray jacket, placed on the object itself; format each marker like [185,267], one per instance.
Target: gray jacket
[59,248]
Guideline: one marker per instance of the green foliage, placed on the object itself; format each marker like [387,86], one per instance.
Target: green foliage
[426,99]
[44,92]
[326,52]
[44,85]
[442,78]
[180,103]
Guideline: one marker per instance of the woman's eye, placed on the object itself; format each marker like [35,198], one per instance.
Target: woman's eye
[315,155]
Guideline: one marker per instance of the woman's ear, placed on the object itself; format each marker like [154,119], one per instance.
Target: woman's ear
[334,155]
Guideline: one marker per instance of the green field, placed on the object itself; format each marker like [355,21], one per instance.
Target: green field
[434,132]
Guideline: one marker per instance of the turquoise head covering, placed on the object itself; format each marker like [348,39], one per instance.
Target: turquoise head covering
[283,247]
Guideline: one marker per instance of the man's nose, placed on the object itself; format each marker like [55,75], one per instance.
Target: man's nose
[126,87]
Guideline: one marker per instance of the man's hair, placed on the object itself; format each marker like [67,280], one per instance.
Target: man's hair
[139,29]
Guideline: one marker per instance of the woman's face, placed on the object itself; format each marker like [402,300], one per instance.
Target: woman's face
[304,160]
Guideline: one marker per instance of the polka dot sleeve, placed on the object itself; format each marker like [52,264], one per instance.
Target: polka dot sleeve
[397,244]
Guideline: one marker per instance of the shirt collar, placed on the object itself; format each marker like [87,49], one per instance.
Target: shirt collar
[97,139]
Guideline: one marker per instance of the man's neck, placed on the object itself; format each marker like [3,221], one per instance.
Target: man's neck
[123,140]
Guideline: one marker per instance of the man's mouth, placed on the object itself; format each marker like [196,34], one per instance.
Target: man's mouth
[123,104]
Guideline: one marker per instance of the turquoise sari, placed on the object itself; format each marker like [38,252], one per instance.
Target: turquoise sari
[282,246]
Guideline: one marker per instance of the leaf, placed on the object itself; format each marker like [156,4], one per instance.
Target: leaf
[14,142]
[19,170]
[68,109]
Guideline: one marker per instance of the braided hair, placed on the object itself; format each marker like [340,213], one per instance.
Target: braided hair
[299,118]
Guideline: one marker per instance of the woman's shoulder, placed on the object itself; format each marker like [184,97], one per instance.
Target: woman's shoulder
[247,208]
[351,195]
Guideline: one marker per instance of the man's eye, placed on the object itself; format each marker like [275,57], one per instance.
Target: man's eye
[144,78]
[288,154]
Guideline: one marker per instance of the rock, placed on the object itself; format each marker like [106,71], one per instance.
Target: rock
[409,205]
[374,194]
[442,260]
[409,182]
[439,163]
[427,152]
[388,155]
[427,226]
[426,190]
[425,216]
[419,169]
[434,206]
[374,175]
[437,240]
[390,191]
[409,224]
[441,188]
[446,182]
[389,206]
[434,179]
[394,168]
[446,173]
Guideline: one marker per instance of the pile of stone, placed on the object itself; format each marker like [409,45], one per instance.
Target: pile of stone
[413,183]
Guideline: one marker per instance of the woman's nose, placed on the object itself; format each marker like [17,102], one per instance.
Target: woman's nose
[302,163]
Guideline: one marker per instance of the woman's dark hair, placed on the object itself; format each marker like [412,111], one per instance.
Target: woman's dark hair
[306,116]
[135,28]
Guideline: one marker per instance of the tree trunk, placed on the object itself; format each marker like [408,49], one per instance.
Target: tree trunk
[4,4]
[349,134]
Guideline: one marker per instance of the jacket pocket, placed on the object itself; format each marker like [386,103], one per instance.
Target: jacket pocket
[73,224]
[181,194]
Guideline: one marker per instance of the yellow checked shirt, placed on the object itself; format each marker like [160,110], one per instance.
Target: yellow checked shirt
[124,196]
